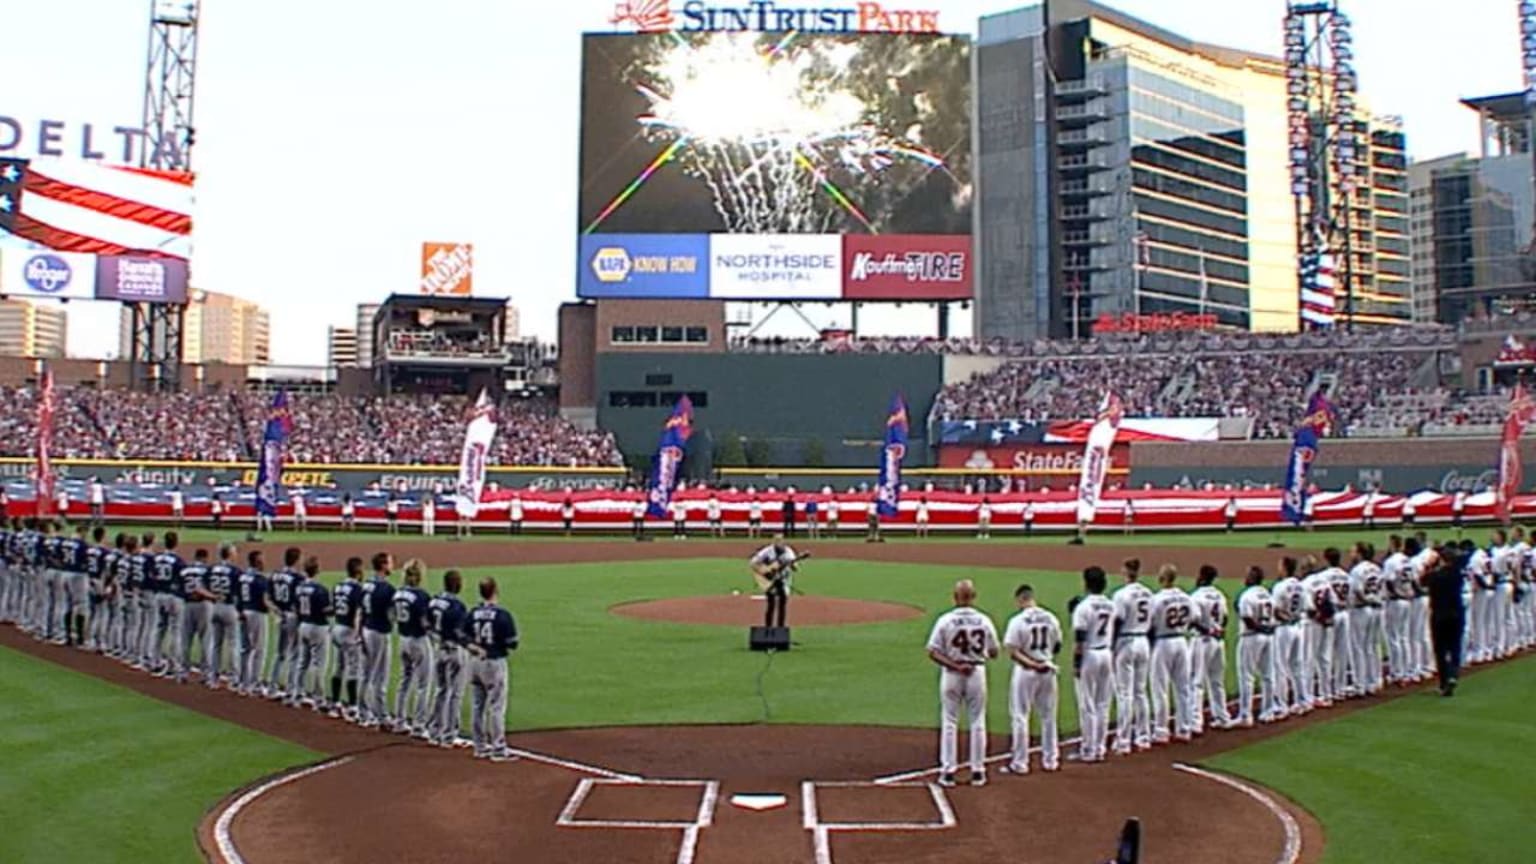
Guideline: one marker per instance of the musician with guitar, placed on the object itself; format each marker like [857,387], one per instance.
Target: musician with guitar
[773,566]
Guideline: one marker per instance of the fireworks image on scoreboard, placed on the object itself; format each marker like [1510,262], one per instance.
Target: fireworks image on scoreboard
[752,133]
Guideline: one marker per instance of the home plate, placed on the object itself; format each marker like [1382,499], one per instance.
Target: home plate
[759,801]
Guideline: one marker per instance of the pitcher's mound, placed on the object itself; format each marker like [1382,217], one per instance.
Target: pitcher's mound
[740,610]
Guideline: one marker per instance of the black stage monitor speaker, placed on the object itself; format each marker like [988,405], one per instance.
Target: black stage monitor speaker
[769,639]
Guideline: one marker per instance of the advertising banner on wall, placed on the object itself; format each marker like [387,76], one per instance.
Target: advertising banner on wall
[644,265]
[447,269]
[33,274]
[1064,459]
[906,267]
[776,266]
[134,279]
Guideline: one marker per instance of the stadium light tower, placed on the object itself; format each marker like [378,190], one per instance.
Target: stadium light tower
[154,360]
[1324,148]
[1528,64]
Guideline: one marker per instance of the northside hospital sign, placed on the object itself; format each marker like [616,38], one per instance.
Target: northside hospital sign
[696,16]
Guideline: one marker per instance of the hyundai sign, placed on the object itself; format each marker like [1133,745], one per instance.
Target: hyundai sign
[644,265]
[34,274]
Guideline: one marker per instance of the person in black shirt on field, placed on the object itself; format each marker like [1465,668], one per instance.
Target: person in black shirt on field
[1444,579]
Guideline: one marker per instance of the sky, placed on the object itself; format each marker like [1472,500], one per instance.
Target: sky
[334,137]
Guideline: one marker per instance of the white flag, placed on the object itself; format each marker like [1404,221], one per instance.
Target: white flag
[1097,456]
[477,449]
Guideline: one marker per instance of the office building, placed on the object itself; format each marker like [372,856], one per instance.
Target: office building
[1125,169]
[364,331]
[341,350]
[216,328]
[32,329]
[1472,242]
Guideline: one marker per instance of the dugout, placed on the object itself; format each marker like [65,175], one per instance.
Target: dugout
[439,345]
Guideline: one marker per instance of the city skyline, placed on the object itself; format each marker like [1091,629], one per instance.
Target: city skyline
[386,146]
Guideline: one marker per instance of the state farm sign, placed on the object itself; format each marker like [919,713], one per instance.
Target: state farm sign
[907,267]
[1046,459]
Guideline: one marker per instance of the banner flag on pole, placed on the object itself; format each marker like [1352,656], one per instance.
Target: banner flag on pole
[42,469]
[1090,484]
[274,441]
[888,485]
[1298,468]
[478,435]
[668,463]
[1521,411]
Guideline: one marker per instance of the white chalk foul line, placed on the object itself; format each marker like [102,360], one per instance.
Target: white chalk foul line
[221,828]
[1292,850]
[578,767]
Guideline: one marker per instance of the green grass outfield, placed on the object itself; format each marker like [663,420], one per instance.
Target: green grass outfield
[581,665]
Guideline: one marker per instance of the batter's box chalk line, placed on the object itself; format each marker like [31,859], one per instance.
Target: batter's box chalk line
[705,817]
[821,832]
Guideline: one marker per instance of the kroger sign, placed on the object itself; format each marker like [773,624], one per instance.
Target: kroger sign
[59,275]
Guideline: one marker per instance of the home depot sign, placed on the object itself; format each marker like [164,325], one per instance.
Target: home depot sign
[447,268]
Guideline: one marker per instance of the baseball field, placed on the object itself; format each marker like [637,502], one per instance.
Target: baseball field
[640,716]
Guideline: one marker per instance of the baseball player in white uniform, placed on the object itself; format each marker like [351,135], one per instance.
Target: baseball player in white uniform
[1318,683]
[984,520]
[1369,596]
[922,517]
[1421,653]
[962,642]
[1506,567]
[1172,615]
[1132,661]
[1207,652]
[1033,639]
[1480,581]
[712,512]
[1399,611]
[1291,664]
[1255,650]
[834,514]
[1345,676]
[1093,630]
[1525,602]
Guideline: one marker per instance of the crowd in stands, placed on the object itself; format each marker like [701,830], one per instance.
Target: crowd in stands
[226,426]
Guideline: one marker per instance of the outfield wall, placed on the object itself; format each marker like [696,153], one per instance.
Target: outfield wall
[1394,464]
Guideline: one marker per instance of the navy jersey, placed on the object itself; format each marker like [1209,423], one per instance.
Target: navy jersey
[493,630]
[252,592]
[168,566]
[96,560]
[106,564]
[347,602]
[144,571]
[378,600]
[222,581]
[194,579]
[312,602]
[72,554]
[411,611]
[124,566]
[282,583]
[53,552]
[449,618]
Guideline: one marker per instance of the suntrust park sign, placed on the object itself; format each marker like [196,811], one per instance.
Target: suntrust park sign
[654,16]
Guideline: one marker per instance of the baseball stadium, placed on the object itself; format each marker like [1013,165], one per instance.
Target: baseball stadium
[1041,438]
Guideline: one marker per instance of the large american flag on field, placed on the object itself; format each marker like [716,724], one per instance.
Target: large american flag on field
[90,207]
[1318,282]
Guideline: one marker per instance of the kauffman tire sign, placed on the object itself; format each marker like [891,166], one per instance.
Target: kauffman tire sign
[907,267]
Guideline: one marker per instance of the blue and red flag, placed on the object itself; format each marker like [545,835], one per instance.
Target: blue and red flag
[1298,469]
[274,441]
[888,488]
[669,458]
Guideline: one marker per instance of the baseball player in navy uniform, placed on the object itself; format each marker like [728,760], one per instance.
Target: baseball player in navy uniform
[196,612]
[55,597]
[251,600]
[169,606]
[8,574]
[411,606]
[312,603]
[493,635]
[144,576]
[224,618]
[347,639]
[378,608]
[126,619]
[450,630]
[77,586]
[284,662]
[100,561]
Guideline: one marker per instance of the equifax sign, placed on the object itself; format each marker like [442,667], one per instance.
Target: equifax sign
[767,16]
